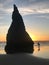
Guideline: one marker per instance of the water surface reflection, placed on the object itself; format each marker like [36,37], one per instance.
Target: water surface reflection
[43,53]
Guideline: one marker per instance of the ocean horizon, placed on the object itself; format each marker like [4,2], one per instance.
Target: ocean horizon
[43,52]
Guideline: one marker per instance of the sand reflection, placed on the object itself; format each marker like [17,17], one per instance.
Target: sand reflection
[43,53]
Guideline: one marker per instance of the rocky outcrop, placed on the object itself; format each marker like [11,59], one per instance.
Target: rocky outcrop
[18,40]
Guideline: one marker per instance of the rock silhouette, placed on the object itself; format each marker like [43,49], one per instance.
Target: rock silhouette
[18,40]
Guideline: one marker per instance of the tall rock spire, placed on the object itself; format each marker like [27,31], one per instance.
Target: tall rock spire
[18,40]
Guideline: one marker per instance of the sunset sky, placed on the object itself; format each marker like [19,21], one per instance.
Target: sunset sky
[35,14]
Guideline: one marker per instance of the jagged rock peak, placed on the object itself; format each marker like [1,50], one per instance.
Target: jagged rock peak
[15,8]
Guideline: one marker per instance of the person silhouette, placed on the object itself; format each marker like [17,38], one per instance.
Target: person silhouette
[38,46]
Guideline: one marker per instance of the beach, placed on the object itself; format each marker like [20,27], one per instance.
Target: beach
[24,32]
[22,59]
[36,58]
[42,53]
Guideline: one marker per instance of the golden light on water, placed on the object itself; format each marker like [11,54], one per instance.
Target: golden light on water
[43,52]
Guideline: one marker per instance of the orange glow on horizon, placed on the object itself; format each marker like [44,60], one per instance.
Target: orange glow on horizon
[35,37]
[39,38]
[2,38]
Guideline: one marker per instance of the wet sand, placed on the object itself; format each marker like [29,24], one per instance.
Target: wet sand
[22,59]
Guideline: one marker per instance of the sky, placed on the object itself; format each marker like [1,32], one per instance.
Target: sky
[35,15]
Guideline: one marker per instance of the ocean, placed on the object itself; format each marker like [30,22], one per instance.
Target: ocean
[42,51]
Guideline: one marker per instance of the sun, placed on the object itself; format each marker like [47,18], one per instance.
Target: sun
[33,37]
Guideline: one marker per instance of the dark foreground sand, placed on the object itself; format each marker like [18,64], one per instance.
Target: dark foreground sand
[22,59]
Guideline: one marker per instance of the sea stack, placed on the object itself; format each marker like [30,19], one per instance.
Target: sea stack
[18,40]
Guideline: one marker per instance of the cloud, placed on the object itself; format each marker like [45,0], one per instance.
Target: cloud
[33,3]
[32,6]
[5,7]
[1,18]
[43,15]
[8,11]
[5,10]
[6,2]
[26,7]
[27,11]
